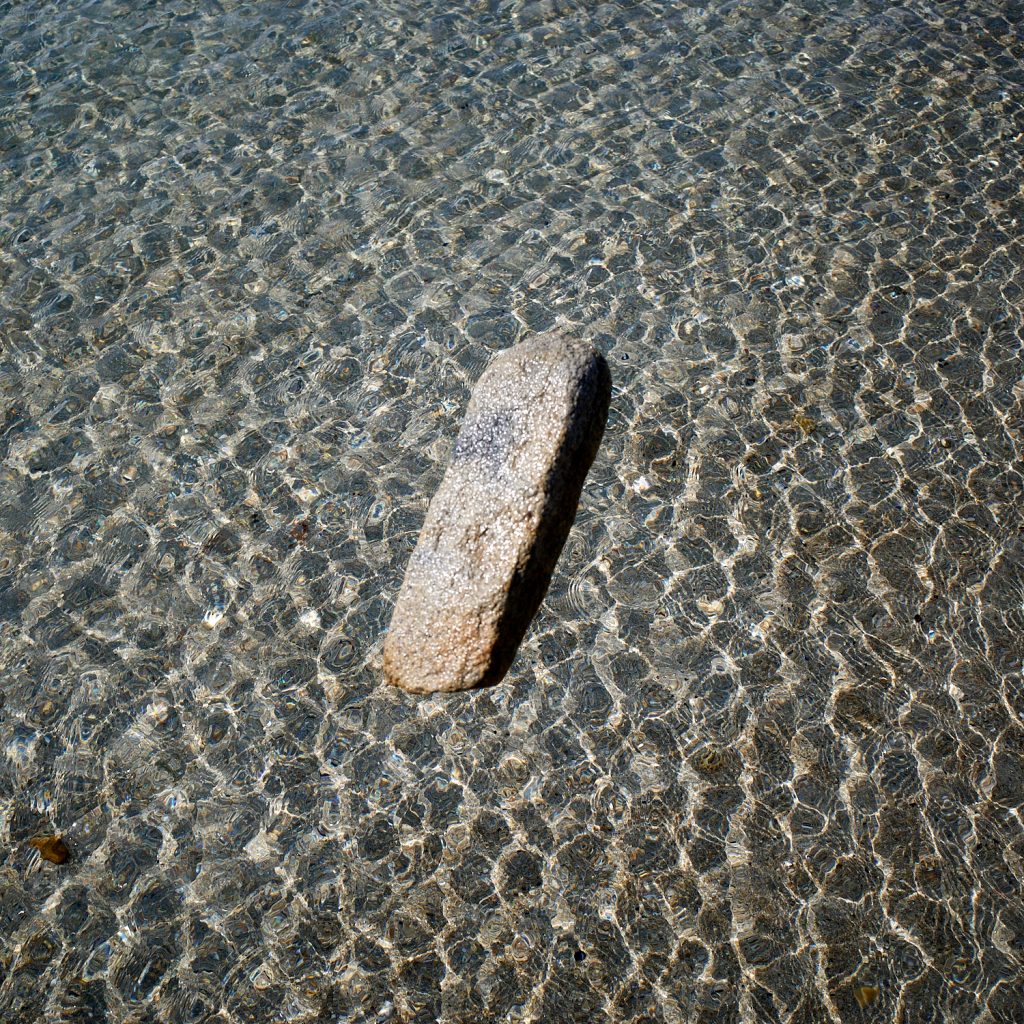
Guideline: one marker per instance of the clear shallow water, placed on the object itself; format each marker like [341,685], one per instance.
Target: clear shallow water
[760,756]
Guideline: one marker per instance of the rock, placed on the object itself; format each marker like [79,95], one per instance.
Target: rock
[500,518]
[50,848]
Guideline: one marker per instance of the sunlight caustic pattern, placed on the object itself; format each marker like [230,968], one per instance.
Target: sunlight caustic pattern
[760,755]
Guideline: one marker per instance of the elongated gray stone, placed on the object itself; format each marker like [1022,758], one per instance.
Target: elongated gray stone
[500,518]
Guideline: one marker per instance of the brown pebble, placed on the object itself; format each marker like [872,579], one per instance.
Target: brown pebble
[497,524]
[865,995]
[806,423]
[51,848]
[710,760]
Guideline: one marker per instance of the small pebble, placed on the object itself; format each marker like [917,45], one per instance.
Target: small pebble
[806,423]
[865,995]
[51,848]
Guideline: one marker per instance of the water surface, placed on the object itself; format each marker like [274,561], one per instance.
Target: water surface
[760,757]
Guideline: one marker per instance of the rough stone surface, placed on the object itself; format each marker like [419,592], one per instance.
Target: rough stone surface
[497,524]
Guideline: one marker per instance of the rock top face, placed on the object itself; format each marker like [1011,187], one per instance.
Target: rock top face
[501,516]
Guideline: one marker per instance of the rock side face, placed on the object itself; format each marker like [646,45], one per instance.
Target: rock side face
[500,518]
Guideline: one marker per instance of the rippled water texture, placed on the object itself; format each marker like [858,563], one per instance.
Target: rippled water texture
[760,757]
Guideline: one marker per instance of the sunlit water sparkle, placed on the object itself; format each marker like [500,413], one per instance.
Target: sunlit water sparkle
[760,756]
